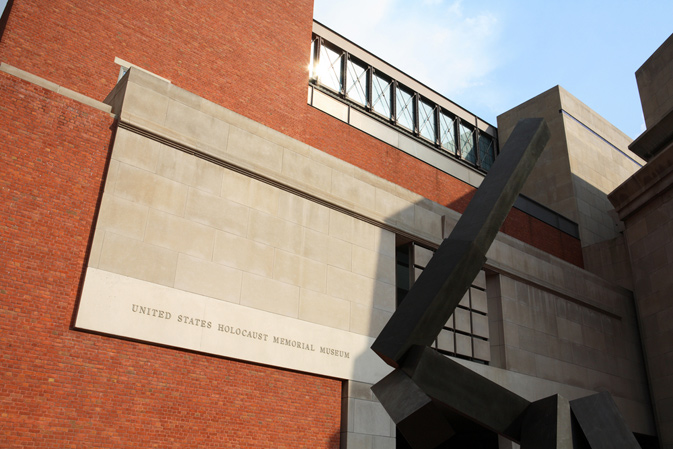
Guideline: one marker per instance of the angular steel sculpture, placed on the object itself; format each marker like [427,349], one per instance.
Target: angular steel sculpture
[429,395]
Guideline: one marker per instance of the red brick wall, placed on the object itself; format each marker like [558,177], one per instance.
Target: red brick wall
[251,57]
[63,388]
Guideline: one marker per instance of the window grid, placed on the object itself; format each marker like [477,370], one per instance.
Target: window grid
[380,94]
[467,150]
[426,120]
[404,111]
[329,68]
[447,136]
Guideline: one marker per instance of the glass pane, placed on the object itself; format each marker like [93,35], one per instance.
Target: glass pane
[467,150]
[311,67]
[404,109]
[426,120]
[356,85]
[447,133]
[381,95]
[486,151]
[329,68]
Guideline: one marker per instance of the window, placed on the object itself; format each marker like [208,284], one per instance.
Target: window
[381,95]
[363,87]
[404,108]
[329,68]
[466,332]
[356,82]
[447,133]
[467,150]
[486,151]
[426,120]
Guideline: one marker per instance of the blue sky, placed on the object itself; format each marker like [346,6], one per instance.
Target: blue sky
[489,55]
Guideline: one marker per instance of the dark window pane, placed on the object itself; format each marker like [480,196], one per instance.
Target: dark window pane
[426,120]
[467,150]
[486,151]
[447,133]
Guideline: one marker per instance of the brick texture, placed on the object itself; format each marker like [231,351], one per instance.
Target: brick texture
[64,388]
[250,57]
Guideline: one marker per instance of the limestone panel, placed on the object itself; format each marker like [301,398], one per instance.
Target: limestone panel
[196,125]
[235,187]
[136,150]
[366,320]
[208,278]
[255,150]
[176,165]
[273,231]
[270,295]
[300,271]
[353,190]
[263,197]
[216,212]
[306,171]
[181,235]
[341,225]
[243,254]
[122,217]
[323,309]
[134,258]
[151,190]
[315,246]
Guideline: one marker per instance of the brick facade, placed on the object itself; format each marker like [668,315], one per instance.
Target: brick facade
[63,388]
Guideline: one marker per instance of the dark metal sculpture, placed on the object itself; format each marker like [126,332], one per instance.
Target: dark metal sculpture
[428,394]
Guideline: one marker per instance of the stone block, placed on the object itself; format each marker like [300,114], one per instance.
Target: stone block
[366,320]
[352,190]
[217,212]
[478,300]
[339,253]
[122,217]
[481,349]
[340,225]
[273,231]
[208,176]
[479,325]
[270,295]
[462,320]
[323,309]
[463,345]
[181,235]
[235,186]
[136,150]
[139,260]
[263,197]
[243,254]
[255,150]
[208,278]
[316,217]
[315,246]
[176,165]
[371,418]
[300,271]
[151,190]
[422,256]
[306,171]
[446,341]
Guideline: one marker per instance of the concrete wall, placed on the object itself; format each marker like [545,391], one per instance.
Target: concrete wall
[645,203]
[655,84]
[586,158]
